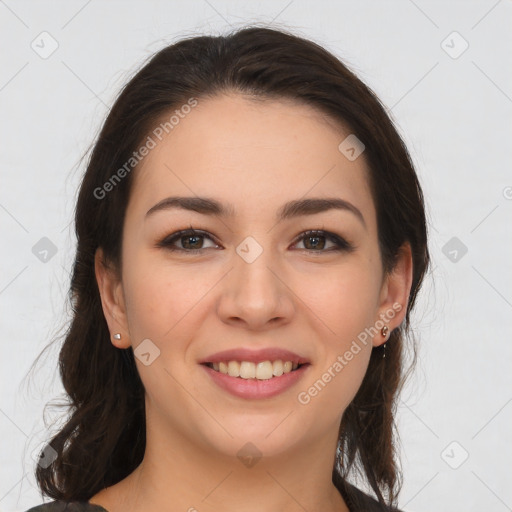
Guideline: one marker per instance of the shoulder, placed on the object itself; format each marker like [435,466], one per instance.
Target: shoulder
[67,506]
[359,501]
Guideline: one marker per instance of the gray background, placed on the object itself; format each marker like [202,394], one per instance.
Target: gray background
[452,105]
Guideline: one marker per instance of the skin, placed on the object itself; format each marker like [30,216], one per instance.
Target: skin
[255,156]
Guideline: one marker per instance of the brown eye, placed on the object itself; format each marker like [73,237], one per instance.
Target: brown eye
[191,240]
[316,240]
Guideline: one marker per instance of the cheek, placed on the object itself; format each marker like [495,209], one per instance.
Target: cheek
[160,295]
[344,305]
[344,299]
[331,389]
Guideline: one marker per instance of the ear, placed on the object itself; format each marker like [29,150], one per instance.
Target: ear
[112,300]
[394,295]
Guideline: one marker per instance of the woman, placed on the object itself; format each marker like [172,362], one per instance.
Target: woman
[251,241]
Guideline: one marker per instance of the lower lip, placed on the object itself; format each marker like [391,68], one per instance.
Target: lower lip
[254,388]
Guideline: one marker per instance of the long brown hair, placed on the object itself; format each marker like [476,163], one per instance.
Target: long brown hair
[103,438]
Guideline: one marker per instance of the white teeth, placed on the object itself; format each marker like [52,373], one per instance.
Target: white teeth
[234,369]
[248,370]
[277,368]
[264,370]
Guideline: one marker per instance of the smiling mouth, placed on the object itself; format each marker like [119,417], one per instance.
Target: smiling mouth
[264,370]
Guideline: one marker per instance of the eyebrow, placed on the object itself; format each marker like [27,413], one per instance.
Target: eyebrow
[291,209]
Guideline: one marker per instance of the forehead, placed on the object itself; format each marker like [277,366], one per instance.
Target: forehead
[252,154]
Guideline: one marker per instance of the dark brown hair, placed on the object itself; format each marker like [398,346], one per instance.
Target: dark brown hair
[103,438]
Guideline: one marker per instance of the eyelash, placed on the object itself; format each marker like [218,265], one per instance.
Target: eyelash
[341,243]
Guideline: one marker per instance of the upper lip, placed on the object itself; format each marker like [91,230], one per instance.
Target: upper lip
[255,356]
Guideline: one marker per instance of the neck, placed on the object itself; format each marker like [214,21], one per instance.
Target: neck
[180,475]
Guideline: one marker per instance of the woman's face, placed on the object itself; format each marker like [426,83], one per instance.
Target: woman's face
[251,280]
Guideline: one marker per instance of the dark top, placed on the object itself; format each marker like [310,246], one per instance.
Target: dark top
[356,500]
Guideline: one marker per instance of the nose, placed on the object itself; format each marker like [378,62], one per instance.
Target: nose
[255,294]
